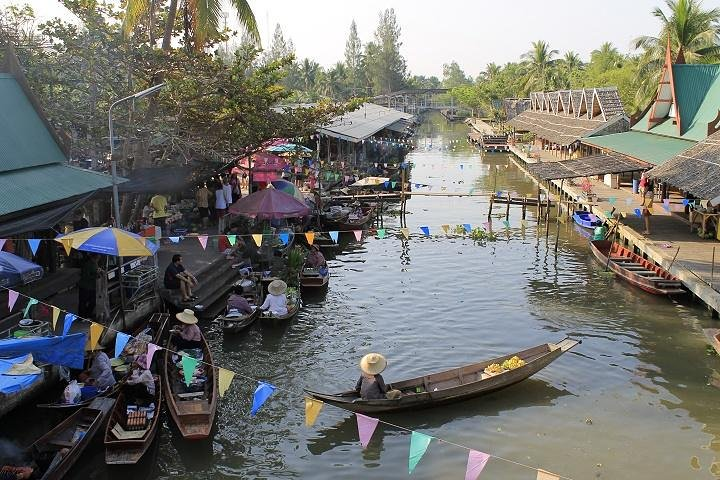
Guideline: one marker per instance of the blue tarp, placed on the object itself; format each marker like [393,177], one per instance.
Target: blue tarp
[15,383]
[68,351]
[16,270]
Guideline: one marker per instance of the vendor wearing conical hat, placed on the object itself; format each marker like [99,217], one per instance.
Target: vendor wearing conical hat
[187,334]
[371,385]
[276,301]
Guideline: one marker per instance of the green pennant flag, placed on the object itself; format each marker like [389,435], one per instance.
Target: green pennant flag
[394,184]
[188,366]
[232,239]
[418,445]
[27,307]
[381,233]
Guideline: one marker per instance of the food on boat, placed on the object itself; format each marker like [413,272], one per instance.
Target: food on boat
[494,368]
[513,363]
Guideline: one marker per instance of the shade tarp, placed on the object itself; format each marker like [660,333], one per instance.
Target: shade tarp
[16,270]
[15,383]
[269,204]
[68,351]
[163,179]
[586,166]
[23,222]
[288,148]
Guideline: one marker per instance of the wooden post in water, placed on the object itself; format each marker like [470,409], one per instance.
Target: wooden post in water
[507,208]
[539,204]
[524,206]
[492,199]
[557,230]
[402,196]
[712,270]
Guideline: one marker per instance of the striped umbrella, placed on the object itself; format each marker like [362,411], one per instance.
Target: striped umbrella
[289,188]
[109,241]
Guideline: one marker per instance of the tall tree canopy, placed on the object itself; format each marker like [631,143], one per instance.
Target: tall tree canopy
[385,65]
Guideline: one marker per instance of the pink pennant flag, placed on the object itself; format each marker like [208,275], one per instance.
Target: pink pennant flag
[476,463]
[358,234]
[152,348]
[366,428]
[2,243]
[203,241]
[12,298]
[487,225]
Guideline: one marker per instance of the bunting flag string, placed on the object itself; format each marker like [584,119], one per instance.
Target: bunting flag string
[95,333]
[358,235]
[232,239]
[257,238]
[284,237]
[12,298]
[203,239]
[67,244]
[55,315]
[334,235]
[426,230]
[30,303]
[405,232]
[121,339]
[419,442]
[310,237]
[34,244]
[445,228]
[381,233]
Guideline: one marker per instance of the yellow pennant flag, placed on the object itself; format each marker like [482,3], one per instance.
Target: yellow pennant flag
[312,410]
[543,475]
[310,237]
[445,228]
[67,244]
[523,223]
[225,377]
[623,214]
[95,331]
[257,237]
[405,233]
[55,315]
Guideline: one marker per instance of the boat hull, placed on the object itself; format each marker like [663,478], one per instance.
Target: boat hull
[586,220]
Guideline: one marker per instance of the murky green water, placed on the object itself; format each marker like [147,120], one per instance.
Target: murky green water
[631,402]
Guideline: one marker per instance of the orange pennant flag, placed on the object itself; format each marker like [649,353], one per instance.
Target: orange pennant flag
[257,237]
[310,237]
[67,244]
[95,332]
[55,315]
[312,410]
[543,475]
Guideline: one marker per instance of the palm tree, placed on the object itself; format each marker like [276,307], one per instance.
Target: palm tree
[203,18]
[606,57]
[538,62]
[491,71]
[690,29]
[308,73]
[571,63]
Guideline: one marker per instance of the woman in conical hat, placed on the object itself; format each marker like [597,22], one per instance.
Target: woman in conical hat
[276,301]
[188,334]
[371,385]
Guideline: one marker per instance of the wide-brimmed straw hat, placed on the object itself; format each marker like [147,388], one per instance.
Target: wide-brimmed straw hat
[373,363]
[187,316]
[277,287]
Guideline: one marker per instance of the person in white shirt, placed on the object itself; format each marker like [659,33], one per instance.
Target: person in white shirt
[276,301]
[220,203]
[227,191]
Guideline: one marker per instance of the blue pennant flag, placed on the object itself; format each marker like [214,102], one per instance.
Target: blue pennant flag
[334,235]
[174,239]
[499,193]
[262,393]
[121,339]
[386,184]
[467,227]
[284,238]
[638,212]
[69,319]
[34,244]
[417,185]
[686,201]
[425,230]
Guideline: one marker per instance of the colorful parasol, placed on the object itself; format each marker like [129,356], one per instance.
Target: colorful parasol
[289,148]
[269,204]
[289,188]
[109,241]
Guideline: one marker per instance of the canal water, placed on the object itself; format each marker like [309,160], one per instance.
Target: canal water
[632,401]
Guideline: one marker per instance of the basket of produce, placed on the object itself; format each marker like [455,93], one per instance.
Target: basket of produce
[493,369]
[513,363]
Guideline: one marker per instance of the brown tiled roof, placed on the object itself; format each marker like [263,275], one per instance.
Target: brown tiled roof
[610,102]
[696,170]
[565,101]
[559,129]
[585,166]
[576,98]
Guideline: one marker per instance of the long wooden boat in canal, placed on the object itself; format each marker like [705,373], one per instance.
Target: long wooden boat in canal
[713,335]
[158,323]
[312,281]
[124,446]
[349,224]
[58,450]
[453,385]
[192,412]
[636,270]
[233,322]
[267,318]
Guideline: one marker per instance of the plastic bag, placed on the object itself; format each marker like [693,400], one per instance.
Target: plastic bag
[72,393]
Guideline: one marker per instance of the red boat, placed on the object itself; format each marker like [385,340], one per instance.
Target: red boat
[634,269]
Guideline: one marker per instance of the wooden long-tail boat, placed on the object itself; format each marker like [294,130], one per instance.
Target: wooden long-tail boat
[452,385]
[192,412]
[124,446]
[351,223]
[267,318]
[234,322]
[636,270]
[158,323]
[312,280]
[58,450]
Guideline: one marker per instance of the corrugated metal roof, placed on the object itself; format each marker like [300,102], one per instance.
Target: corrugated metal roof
[364,122]
[585,167]
[24,139]
[644,146]
[31,187]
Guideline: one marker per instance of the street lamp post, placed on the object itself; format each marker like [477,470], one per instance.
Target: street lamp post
[113,162]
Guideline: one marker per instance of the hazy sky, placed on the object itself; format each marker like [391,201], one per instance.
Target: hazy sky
[471,32]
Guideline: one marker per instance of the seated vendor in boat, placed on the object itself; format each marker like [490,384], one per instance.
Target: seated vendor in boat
[139,388]
[236,301]
[100,374]
[188,334]
[276,301]
[371,385]
[315,258]
[357,212]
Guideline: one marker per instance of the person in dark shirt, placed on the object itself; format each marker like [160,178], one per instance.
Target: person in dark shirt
[87,286]
[371,385]
[177,278]
[236,301]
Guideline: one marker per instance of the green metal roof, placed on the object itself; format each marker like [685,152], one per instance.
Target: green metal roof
[24,138]
[645,146]
[31,187]
[697,90]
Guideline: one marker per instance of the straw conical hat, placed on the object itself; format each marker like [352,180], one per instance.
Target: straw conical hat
[187,316]
[373,363]
[277,287]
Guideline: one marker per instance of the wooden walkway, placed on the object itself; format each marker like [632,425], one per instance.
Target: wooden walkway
[670,235]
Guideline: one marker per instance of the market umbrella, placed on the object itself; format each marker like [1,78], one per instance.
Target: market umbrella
[109,241]
[289,188]
[370,181]
[16,270]
[269,203]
